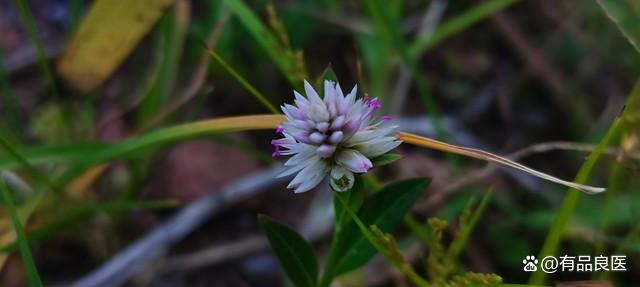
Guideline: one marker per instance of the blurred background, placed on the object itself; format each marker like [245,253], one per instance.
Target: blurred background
[541,81]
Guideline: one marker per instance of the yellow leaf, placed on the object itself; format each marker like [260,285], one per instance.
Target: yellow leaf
[107,35]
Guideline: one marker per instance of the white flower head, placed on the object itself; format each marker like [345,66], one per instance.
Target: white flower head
[336,135]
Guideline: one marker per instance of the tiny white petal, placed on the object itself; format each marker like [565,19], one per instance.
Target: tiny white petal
[325,150]
[354,161]
[312,95]
[338,122]
[309,177]
[317,137]
[336,137]
[378,147]
[323,126]
[319,113]
[301,101]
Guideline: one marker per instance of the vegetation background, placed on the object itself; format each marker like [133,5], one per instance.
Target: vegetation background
[98,169]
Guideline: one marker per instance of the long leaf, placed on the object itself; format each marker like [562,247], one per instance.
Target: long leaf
[552,241]
[24,163]
[458,24]
[32,272]
[267,40]
[369,235]
[557,230]
[622,14]
[294,253]
[32,33]
[385,209]
[51,154]
[246,84]
[172,134]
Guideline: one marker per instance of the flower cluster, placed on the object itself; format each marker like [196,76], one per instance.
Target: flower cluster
[336,135]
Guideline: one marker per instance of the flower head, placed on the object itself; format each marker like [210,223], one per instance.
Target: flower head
[336,135]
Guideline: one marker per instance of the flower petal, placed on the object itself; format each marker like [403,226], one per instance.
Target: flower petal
[354,161]
[310,176]
[378,146]
[312,95]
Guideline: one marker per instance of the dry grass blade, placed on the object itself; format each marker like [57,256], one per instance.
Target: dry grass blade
[487,156]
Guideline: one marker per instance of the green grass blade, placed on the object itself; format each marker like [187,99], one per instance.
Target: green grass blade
[624,121]
[387,25]
[7,99]
[50,154]
[245,84]
[458,24]
[170,135]
[24,163]
[32,33]
[267,40]
[559,226]
[32,272]
[75,9]
[171,37]
[89,154]
[622,14]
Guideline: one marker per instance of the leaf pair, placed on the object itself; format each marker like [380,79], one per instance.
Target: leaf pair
[350,248]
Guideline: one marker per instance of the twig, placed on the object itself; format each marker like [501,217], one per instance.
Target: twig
[216,254]
[123,265]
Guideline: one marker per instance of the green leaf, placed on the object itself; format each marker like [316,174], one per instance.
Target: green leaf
[386,245]
[244,82]
[385,209]
[385,159]
[294,253]
[458,24]
[170,39]
[23,244]
[50,154]
[622,14]
[34,37]
[169,135]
